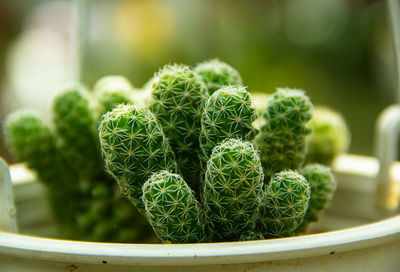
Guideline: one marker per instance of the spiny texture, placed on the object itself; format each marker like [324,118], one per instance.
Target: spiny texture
[323,186]
[251,236]
[75,126]
[134,147]
[32,141]
[179,96]
[172,209]
[286,202]
[330,136]
[216,73]
[111,91]
[229,113]
[282,140]
[233,189]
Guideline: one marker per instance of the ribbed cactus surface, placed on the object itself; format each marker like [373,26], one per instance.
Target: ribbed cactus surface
[216,73]
[285,204]
[282,140]
[110,91]
[172,209]
[233,189]
[76,129]
[134,147]
[229,113]
[179,96]
[323,186]
[330,136]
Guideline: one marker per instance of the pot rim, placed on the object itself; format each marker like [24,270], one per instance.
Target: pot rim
[328,243]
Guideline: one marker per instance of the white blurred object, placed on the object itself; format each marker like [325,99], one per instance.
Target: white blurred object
[38,62]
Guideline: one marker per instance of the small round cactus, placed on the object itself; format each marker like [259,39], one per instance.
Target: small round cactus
[179,96]
[172,209]
[233,189]
[330,136]
[323,186]
[110,91]
[229,113]
[216,73]
[76,129]
[134,147]
[282,140]
[286,202]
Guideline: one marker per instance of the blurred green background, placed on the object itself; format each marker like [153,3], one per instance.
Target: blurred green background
[339,51]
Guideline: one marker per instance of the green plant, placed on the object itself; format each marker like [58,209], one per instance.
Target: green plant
[330,136]
[282,140]
[233,189]
[286,201]
[323,186]
[229,113]
[172,209]
[179,95]
[134,147]
[216,73]
[75,126]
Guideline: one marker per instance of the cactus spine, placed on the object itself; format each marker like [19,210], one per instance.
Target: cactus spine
[172,209]
[233,189]
[251,236]
[282,140]
[330,136]
[134,147]
[323,186]
[286,202]
[179,96]
[75,127]
[216,73]
[229,113]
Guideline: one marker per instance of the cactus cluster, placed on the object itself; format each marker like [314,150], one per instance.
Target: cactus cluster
[191,159]
[65,153]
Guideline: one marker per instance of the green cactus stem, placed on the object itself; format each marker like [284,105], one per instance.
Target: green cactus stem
[76,130]
[179,96]
[134,147]
[110,91]
[330,136]
[233,189]
[323,186]
[286,202]
[282,140]
[216,73]
[229,113]
[32,141]
[172,209]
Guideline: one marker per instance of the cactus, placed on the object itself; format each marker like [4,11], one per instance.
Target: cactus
[251,236]
[330,136]
[172,209]
[286,201]
[229,113]
[323,186]
[282,140]
[233,189]
[134,147]
[179,96]
[216,73]
[75,126]
[32,141]
[111,91]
